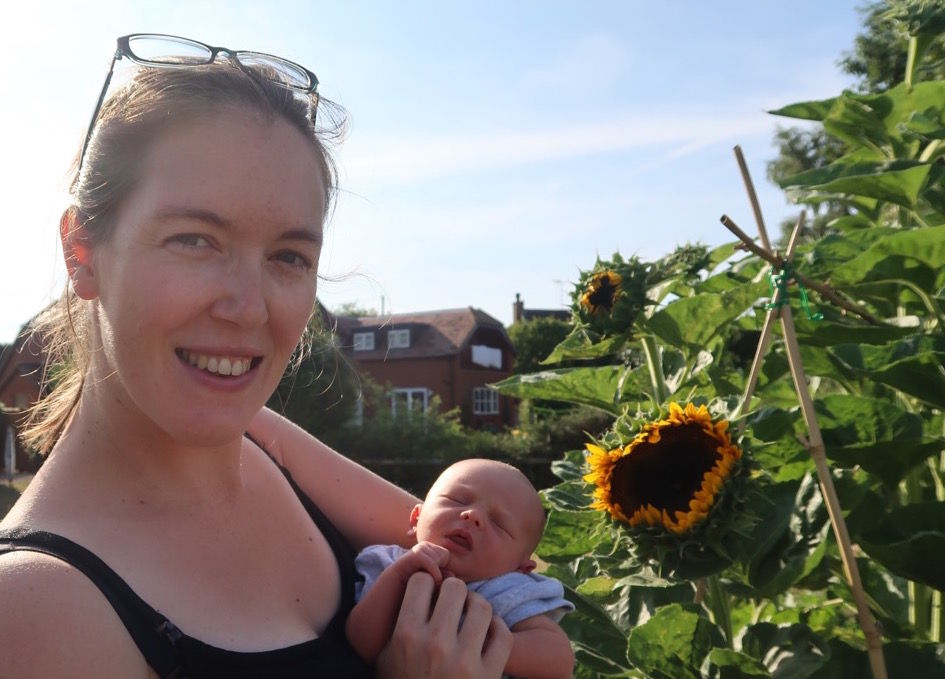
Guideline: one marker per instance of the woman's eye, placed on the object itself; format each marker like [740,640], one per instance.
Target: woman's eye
[294,259]
[191,240]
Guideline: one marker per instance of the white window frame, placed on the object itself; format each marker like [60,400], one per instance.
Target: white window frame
[417,398]
[398,339]
[363,341]
[485,401]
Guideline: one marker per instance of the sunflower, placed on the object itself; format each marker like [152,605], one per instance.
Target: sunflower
[601,292]
[670,475]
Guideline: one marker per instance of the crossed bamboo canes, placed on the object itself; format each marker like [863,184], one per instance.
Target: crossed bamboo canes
[814,442]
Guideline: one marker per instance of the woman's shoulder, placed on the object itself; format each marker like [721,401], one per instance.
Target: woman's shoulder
[59,623]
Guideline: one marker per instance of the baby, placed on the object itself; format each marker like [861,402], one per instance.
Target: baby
[480,522]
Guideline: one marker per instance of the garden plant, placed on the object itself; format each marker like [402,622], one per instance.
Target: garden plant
[694,534]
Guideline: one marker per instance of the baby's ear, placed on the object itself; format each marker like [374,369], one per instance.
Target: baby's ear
[414,517]
[526,566]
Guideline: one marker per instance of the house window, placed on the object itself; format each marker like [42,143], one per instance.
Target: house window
[485,401]
[398,339]
[486,357]
[363,341]
[409,399]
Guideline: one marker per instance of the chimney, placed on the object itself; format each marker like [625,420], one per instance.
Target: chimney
[518,309]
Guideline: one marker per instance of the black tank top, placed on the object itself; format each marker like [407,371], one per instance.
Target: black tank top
[174,655]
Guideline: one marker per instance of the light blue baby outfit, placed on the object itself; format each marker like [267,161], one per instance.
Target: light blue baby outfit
[514,596]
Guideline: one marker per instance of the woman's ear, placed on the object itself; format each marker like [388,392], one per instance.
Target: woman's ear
[77,251]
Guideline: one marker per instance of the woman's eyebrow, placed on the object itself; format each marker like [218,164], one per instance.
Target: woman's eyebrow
[199,214]
[312,235]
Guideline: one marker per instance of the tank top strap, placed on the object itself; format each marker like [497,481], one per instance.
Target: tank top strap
[154,634]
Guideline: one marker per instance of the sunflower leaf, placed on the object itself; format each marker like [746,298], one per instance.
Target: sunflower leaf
[910,541]
[912,659]
[726,663]
[788,651]
[673,643]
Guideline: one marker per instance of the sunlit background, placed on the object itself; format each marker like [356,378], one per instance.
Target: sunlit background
[494,147]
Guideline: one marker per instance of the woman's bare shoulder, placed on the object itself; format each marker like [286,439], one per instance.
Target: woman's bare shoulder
[55,623]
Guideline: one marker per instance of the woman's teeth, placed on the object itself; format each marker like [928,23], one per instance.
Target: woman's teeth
[218,365]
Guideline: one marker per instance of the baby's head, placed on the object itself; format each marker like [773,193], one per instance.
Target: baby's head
[487,514]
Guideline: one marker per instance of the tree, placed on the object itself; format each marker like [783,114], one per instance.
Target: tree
[879,61]
[533,341]
[319,391]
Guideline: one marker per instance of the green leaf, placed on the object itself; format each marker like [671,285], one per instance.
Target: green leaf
[693,321]
[725,663]
[596,387]
[673,643]
[599,644]
[798,549]
[874,434]
[788,651]
[912,659]
[910,541]
[571,534]
[578,346]
[897,182]
[806,110]
[857,123]
[912,365]
[926,246]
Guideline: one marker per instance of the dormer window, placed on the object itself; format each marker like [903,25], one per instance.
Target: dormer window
[363,341]
[398,339]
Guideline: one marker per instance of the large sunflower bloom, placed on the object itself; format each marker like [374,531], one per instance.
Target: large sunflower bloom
[671,473]
[601,292]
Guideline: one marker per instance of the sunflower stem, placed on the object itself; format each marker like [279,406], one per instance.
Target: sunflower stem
[718,602]
[655,364]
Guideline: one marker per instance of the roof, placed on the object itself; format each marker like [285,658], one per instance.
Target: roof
[432,333]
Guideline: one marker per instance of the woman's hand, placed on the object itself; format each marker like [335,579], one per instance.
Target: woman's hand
[429,642]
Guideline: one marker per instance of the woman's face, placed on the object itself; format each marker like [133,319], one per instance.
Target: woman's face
[208,279]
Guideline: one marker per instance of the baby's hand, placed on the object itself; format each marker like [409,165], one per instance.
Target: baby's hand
[424,556]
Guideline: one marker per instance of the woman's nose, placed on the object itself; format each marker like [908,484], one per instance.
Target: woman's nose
[241,299]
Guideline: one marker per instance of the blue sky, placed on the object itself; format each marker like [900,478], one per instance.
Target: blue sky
[494,147]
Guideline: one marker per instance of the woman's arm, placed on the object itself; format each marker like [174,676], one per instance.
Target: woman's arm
[366,509]
[55,623]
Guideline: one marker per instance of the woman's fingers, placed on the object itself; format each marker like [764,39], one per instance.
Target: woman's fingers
[498,646]
[450,634]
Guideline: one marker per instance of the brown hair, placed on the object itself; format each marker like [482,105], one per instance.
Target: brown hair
[152,100]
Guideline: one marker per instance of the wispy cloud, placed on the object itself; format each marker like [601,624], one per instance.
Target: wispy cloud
[411,160]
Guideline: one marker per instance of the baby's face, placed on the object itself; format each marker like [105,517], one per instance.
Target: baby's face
[486,514]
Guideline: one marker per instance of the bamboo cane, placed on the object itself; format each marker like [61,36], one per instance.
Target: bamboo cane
[815,445]
[874,643]
[824,289]
[752,198]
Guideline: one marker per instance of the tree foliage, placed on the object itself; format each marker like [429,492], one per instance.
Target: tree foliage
[534,339]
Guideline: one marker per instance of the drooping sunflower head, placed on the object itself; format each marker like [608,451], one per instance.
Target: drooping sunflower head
[670,475]
[601,292]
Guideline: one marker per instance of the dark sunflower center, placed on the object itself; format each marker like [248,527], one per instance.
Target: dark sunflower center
[603,296]
[665,474]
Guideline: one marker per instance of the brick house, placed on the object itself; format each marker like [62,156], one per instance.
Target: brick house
[21,367]
[452,353]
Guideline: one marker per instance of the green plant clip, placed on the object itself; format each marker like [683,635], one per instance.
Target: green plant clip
[779,291]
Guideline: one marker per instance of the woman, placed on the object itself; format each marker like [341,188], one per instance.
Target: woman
[158,540]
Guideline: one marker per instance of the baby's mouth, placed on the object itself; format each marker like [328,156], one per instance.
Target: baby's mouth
[460,539]
[228,366]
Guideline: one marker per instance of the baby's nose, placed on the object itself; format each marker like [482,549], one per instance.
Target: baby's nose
[471,515]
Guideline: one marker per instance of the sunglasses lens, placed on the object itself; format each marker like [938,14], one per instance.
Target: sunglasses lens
[162,49]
